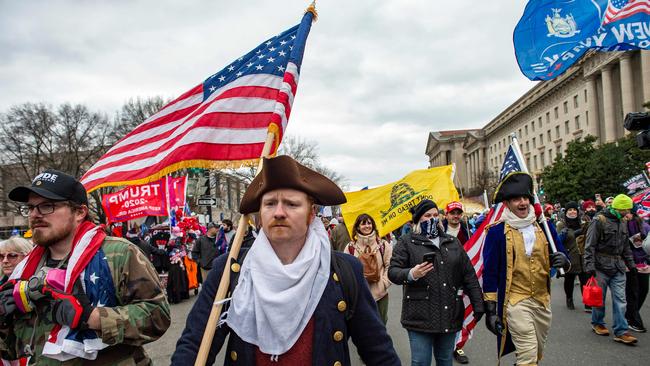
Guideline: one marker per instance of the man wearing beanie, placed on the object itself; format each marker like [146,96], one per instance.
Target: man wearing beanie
[572,234]
[608,256]
[516,275]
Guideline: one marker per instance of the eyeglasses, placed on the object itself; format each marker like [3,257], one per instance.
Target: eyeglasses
[44,208]
[9,256]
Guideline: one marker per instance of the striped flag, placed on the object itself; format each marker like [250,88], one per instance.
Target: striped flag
[621,9]
[474,246]
[222,121]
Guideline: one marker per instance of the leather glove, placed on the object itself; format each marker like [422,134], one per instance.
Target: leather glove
[72,310]
[7,302]
[559,260]
[492,320]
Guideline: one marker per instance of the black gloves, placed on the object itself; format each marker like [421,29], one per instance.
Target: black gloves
[7,302]
[492,320]
[559,260]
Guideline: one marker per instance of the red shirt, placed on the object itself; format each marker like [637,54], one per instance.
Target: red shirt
[299,354]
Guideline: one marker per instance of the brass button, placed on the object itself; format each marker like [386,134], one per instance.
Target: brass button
[233,355]
[341,306]
[338,363]
[335,277]
[338,336]
[235,267]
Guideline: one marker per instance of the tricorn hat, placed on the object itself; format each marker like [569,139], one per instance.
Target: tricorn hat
[283,172]
[515,184]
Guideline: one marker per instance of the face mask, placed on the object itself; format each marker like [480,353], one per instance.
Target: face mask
[430,228]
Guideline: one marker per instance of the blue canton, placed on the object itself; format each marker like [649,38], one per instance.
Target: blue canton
[510,164]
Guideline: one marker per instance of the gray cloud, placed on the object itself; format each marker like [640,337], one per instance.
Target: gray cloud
[377,75]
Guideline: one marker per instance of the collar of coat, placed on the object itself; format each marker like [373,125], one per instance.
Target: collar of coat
[419,239]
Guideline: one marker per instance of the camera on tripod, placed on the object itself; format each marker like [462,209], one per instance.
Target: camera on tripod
[639,121]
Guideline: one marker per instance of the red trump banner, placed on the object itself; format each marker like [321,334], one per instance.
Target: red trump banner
[137,201]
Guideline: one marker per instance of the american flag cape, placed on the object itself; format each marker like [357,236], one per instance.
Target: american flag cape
[223,121]
[474,246]
[621,9]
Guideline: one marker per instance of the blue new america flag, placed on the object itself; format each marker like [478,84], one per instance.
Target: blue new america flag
[553,34]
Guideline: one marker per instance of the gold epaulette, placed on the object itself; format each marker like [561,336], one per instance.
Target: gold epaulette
[492,224]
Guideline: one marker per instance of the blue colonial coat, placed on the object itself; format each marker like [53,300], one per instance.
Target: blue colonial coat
[495,273]
[365,328]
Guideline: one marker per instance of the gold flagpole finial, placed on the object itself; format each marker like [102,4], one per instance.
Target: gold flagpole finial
[312,9]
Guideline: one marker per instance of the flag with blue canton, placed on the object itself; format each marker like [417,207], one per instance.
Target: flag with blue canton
[510,164]
[553,34]
[222,122]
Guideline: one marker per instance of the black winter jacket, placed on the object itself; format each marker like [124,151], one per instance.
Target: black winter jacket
[434,304]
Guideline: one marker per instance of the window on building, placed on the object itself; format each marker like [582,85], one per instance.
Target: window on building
[550,156]
[575,101]
[541,159]
[556,112]
[548,135]
[577,119]
[527,162]
[566,127]
[541,139]
[587,117]
[548,117]
[557,132]
[539,122]
[566,107]
[521,147]
[585,95]
[499,144]
[519,133]
[526,129]
[527,146]
[504,142]
[535,161]
[532,123]
[534,143]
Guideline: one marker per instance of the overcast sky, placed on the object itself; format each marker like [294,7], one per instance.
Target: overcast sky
[377,76]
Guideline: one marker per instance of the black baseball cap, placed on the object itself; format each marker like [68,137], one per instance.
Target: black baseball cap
[54,185]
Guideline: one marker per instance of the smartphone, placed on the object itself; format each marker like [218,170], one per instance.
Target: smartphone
[429,257]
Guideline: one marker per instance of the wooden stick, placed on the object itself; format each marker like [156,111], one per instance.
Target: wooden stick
[215,313]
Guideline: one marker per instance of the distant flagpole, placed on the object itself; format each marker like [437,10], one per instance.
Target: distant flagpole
[543,221]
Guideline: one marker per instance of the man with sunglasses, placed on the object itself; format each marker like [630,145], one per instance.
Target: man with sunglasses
[79,294]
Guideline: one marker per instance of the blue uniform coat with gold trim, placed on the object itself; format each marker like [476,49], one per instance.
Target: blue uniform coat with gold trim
[365,328]
[495,272]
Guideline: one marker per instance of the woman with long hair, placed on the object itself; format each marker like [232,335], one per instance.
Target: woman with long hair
[374,253]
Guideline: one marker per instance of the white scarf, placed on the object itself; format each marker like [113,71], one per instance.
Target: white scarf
[525,226]
[273,302]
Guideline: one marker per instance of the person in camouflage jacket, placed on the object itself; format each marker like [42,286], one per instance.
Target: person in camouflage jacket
[56,206]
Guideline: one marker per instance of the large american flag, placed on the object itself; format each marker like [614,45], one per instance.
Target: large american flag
[474,246]
[621,9]
[224,119]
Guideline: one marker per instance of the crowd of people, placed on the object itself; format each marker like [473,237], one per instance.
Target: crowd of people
[298,293]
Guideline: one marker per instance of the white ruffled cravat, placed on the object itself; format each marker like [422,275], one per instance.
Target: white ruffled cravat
[272,302]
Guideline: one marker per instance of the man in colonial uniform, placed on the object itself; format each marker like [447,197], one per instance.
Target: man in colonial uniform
[289,306]
[516,276]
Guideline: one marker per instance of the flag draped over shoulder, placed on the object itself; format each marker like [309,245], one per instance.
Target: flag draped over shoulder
[474,246]
[553,34]
[389,204]
[222,121]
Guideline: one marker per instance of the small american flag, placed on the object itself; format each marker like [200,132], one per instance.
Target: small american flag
[474,246]
[621,9]
[224,119]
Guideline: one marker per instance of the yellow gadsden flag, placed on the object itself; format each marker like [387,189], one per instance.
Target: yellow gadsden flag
[389,204]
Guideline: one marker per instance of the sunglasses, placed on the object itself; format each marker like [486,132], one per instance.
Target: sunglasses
[9,256]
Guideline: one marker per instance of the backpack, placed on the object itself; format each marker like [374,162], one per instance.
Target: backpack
[371,268]
[340,266]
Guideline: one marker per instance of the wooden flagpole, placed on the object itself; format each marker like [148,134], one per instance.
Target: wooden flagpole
[215,313]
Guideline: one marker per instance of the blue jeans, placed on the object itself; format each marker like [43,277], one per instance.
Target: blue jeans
[421,344]
[617,284]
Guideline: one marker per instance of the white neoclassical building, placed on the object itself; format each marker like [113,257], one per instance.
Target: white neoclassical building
[591,98]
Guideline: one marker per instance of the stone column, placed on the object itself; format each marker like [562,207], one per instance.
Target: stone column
[481,163]
[592,108]
[645,74]
[627,86]
[609,116]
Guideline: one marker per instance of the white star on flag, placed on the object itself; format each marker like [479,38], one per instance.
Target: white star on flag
[93,277]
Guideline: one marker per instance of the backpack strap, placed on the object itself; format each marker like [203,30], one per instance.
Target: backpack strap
[348,282]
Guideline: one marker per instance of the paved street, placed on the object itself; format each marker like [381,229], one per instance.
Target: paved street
[571,341]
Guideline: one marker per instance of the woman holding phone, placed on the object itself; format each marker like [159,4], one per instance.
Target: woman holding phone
[435,272]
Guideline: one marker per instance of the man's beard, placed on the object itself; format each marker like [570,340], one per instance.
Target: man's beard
[53,236]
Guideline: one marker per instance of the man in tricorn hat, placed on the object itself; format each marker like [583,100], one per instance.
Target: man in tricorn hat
[516,276]
[292,304]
